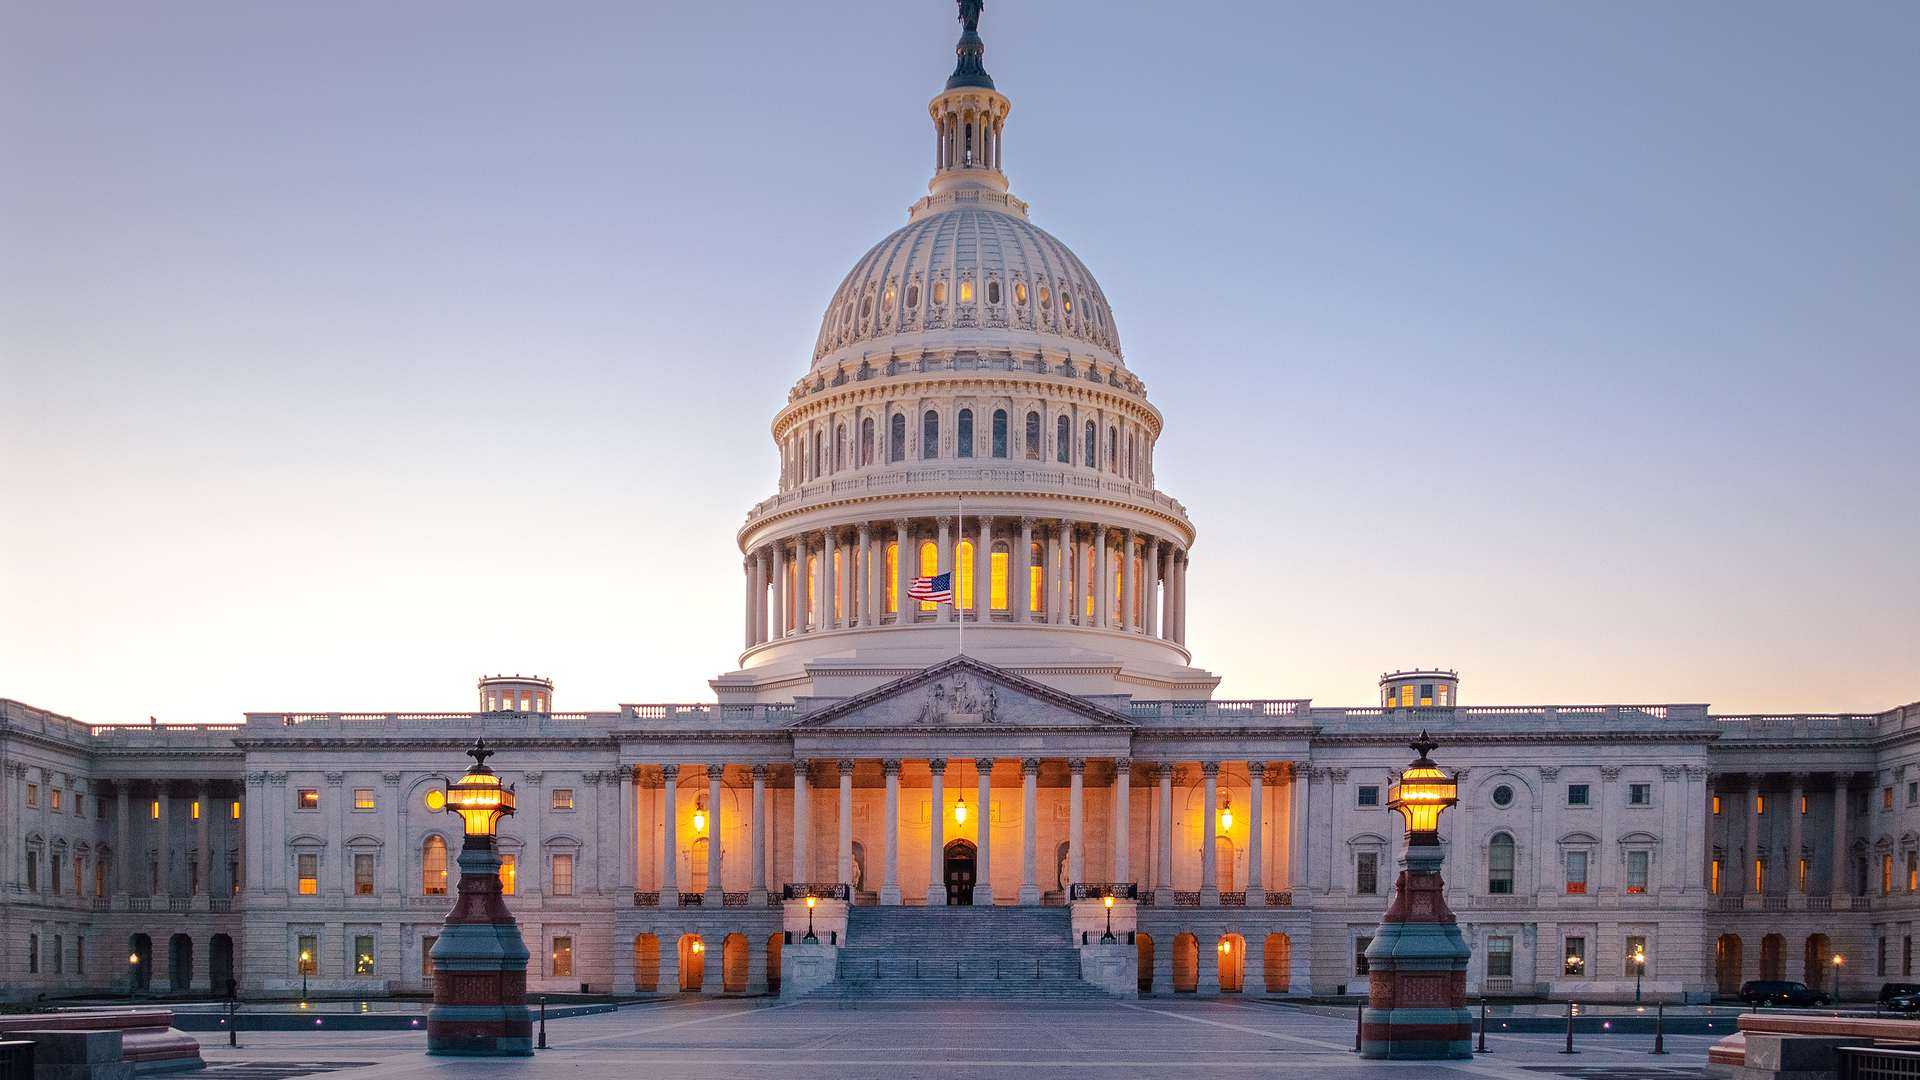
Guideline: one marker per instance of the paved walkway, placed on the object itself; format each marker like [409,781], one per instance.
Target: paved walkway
[895,1041]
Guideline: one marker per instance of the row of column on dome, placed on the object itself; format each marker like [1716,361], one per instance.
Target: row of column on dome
[1036,571]
[825,445]
[1025,854]
[179,841]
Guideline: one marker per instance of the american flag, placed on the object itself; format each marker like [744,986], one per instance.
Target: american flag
[938,588]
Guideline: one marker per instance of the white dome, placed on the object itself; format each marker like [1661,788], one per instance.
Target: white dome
[967,269]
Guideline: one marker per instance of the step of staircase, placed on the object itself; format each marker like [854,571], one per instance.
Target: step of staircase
[925,953]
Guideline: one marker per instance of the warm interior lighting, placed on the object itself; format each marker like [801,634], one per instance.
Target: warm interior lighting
[479,797]
[133,958]
[700,815]
[1109,903]
[1422,793]
[960,811]
[1225,946]
[699,947]
[810,902]
[1226,814]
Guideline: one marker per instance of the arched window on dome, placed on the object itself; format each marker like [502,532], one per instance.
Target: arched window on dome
[810,616]
[1033,436]
[1036,578]
[930,436]
[999,433]
[1092,458]
[866,442]
[819,455]
[929,566]
[963,434]
[1062,440]
[998,594]
[897,437]
[893,577]
[963,573]
[839,447]
[1113,450]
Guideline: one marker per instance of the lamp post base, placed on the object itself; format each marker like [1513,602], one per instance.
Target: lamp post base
[1417,972]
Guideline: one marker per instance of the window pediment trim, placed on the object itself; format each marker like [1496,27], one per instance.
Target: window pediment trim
[1578,839]
[307,840]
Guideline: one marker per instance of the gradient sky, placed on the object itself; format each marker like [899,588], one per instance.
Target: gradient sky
[349,350]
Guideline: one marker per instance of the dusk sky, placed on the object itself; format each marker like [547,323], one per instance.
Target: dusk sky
[351,350]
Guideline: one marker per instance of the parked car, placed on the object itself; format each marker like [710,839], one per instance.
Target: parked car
[1796,995]
[1889,991]
[1906,1003]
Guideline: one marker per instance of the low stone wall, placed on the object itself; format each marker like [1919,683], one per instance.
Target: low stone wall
[1800,1044]
[148,1040]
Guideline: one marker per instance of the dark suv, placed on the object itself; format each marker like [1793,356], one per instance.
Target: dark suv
[1781,992]
[1904,997]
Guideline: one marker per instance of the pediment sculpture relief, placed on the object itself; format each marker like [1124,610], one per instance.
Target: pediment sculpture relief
[959,700]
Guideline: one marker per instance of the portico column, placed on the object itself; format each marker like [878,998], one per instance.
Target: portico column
[123,843]
[890,835]
[1209,872]
[1122,820]
[1842,809]
[948,565]
[757,889]
[669,836]
[802,821]
[1257,782]
[714,885]
[937,834]
[867,576]
[1128,582]
[1796,834]
[1163,885]
[202,844]
[1020,597]
[1749,886]
[779,623]
[1029,829]
[829,585]
[1076,846]
[904,560]
[747,572]
[1102,580]
[983,880]
[163,847]
[1057,572]
[846,822]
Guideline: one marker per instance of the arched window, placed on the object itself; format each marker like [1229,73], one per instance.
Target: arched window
[1133,455]
[810,614]
[1500,865]
[929,566]
[839,447]
[963,583]
[1062,440]
[893,577]
[819,455]
[897,437]
[997,593]
[1113,450]
[1033,436]
[697,866]
[866,442]
[1092,458]
[1036,578]
[433,867]
[963,434]
[999,433]
[930,436]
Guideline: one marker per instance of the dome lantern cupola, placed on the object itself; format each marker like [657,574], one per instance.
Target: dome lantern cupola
[969,117]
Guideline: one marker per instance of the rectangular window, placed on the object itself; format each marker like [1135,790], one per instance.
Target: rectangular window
[307,799]
[1576,873]
[153,810]
[1500,866]
[1499,957]
[1426,693]
[33,794]
[1635,956]
[1637,864]
[33,954]
[1576,959]
[1803,806]
[362,873]
[53,799]
[1760,875]
[234,811]
[59,955]
[1886,874]
[1913,871]
[1576,794]
[363,954]
[1801,881]
[1369,795]
[1713,877]
[1759,805]
[309,872]
[1880,957]
[1639,794]
[509,875]
[1716,805]
[561,878]
[1906,955]
[79,805]
[562,956]
[363,798]
[80,954]
[1406,696]
[1366,874]
[1886,797]
[563,798]
[307,955]
[1360,954]
[54,868]
[33,871]
[426,955]
[1913,792]
[193,809]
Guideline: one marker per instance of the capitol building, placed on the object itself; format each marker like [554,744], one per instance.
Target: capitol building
[890,796]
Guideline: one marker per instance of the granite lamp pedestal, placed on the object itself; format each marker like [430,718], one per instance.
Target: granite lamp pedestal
[480,962]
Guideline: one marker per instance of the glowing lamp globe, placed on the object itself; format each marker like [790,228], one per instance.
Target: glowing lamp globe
[960,811]
[1226,815]
[479,797]
[1422,793]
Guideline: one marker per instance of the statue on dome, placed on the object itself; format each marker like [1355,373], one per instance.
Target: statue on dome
[970,14]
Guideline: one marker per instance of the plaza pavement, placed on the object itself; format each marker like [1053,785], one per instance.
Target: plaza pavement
[724,1039]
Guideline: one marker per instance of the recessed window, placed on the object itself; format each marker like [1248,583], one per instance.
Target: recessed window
[363,954]
[966,291]
[427,942]
[1500,865]
[1576,962]
[1499,957]
[1046,296]
[1576,873]
[1716,805]
[939,292]
[1639,794]
[866,306]
[1369,795]
[307,799]
[233,810]
[562,798]
[1577,795]
[509,875]
[433,867]
[913,296]
[1366,874]
[33,794]
[1637,866]
[1360,954]
[53,797]
[1886,798]
[562,956]
[308,865]
[1066,301]
[307,954]
[560,881]
[1503,795]
[1020,293]
[363,798]
[993,292]
[153,810]
[362,874]
[889,296]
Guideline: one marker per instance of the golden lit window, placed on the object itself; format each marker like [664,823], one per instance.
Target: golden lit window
[1803,805]
[929,565]
[562,956]
[1716,804]
[562,798]
[308,865]
[1036,584]
[1759,875]
[509,875]
[889,296]
[1406,696]
[966,291]
[308,799]
[53,794]
[1713,877]
[560,876]
[893,578]
[939,292]
[964,556]
[997,594]
[1066,301]
[363,798]
[153,810]
[1759,804]
[1020,293]
[233,811]
[433,867]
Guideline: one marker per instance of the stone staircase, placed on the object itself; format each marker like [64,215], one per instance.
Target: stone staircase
[959,952]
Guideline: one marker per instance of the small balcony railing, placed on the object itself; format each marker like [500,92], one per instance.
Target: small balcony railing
[819,890]
[1119,890]
[139,903]
[646,898]
[1283,898]
[1186,899]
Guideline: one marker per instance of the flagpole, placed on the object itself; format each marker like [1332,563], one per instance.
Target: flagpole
[960,613]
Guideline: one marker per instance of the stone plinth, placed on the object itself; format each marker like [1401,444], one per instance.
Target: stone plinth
[480,968]
[1417,964]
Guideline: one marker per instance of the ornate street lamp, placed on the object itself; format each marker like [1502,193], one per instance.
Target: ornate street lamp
[810,902]
[1108,936]
[133,973]
[306,965]
[1417,964]
[480,962]
[1639,971]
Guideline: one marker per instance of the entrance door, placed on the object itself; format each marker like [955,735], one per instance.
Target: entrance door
[960,871]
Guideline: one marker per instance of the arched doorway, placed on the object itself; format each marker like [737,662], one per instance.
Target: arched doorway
[646,962]
[1232,950]
[1773,957]
[1819,957]
[773,963]
[1726,964]
[220,963]
[733,964]
[1144,944]
[693,962]
[1279,963]
[1186,964]
[180,962]
[140,964]
[961,870]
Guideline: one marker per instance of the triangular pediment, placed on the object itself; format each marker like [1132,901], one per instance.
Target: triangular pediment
[963,693]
